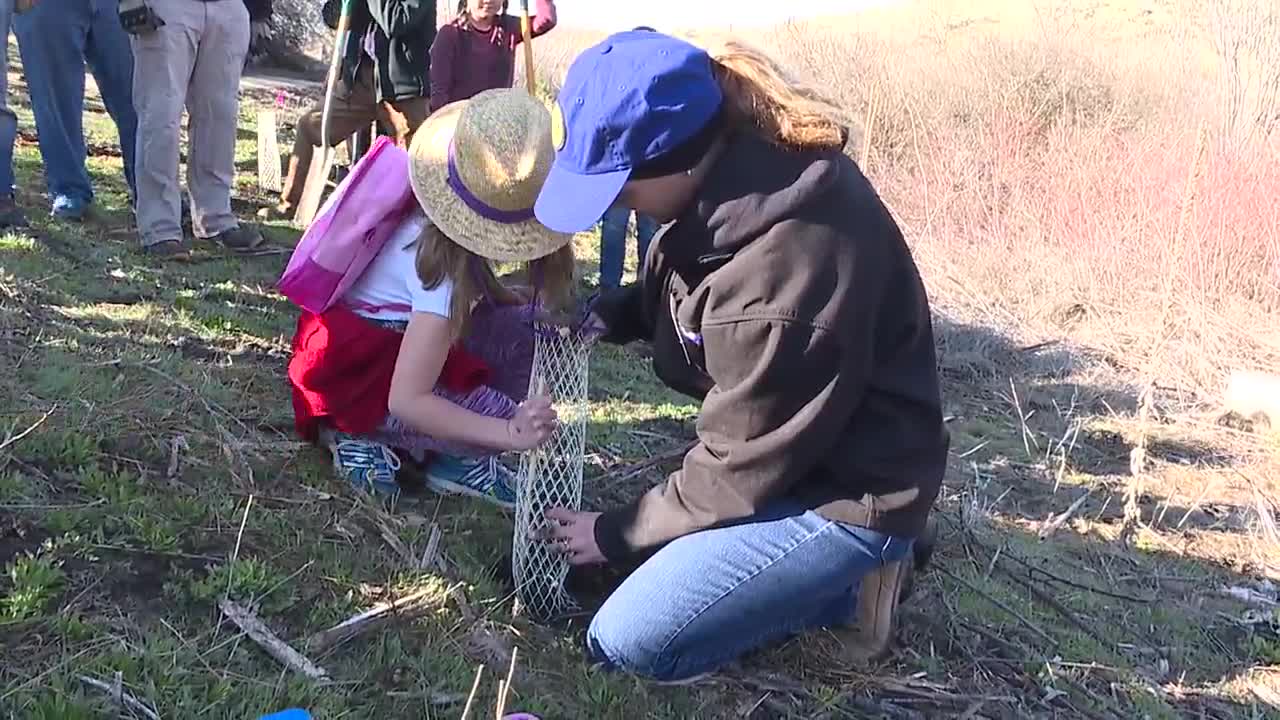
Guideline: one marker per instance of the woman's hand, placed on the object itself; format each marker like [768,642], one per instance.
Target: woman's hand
[532,424]
[593,328]
[574,535]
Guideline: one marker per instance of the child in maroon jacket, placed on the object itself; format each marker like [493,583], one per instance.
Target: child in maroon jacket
[477,51]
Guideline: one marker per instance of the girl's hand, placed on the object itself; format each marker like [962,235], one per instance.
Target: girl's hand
[533,423]
[574,535]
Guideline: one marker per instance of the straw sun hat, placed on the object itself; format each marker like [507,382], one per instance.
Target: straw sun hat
[476,167]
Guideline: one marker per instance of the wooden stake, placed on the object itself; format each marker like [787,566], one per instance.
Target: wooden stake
[268,152]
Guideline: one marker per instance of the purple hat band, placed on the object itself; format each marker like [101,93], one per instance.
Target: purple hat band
[482,208]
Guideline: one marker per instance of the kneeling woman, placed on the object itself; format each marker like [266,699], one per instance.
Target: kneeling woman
[427,353]
[783,296]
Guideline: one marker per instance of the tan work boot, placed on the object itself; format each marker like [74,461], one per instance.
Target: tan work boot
[868,638]
[879,594]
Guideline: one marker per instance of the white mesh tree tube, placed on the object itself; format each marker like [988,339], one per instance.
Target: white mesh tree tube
[551,475]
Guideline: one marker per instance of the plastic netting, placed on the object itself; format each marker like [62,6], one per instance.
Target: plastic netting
[551,475]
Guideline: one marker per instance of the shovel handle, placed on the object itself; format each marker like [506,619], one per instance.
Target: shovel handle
[526,31]
[335,66]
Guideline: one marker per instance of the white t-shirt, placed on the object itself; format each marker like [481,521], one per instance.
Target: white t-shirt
[390,289]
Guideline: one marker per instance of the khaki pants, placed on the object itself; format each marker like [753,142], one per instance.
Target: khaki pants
[193,61]
[349,113]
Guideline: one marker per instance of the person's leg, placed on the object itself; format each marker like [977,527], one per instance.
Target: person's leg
[51,41]
[213,106]
[164,60]
[708,598]
[404,117]
[613,245]
[111,60]
[10,216]
[502,338]
[349,112]
[646,228]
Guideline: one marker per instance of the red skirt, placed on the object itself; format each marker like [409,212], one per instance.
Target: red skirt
[341,372]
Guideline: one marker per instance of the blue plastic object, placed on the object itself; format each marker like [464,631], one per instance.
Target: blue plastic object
[290,714]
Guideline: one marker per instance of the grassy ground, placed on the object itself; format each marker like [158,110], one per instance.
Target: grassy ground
[148,470]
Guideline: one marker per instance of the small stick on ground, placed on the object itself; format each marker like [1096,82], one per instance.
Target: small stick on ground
[1057,521]
[257,631]
[356,624]
[430,552]
[11,439]
[119,696]
[475,688]
[505,687]
[634,469]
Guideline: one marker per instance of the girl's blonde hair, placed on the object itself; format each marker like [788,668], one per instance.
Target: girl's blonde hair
[473,277]
[761,94]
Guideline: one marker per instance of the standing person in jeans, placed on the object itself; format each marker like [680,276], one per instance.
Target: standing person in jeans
[56,38]
[477,50]
[784,297]
[10,215]
[385,68]
[190,54]
[613,244]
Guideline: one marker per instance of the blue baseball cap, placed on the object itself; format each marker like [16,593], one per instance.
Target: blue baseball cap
[625,101]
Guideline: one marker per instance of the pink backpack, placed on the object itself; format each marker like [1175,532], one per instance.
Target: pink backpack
[351,227]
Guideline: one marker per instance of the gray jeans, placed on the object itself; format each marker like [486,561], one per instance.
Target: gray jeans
[8,121]
[193,61]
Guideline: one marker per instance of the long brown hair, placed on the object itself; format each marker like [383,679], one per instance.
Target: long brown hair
[474,279]
[759,93]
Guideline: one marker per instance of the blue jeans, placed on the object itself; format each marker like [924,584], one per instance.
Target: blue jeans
[613,242]
[56,38]
[707,598]
[8,121]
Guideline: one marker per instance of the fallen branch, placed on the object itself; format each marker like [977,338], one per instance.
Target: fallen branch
[356,624]
[1051,526]
[119,696]
[257,631]
[634,469]
[1014,613]
[11,439]
[1057,606]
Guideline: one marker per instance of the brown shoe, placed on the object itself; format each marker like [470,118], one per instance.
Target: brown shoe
[276,212]
[871,634]
[239,238]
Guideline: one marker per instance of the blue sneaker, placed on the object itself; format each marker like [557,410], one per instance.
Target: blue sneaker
[68,208]
[367,466]
[485,478]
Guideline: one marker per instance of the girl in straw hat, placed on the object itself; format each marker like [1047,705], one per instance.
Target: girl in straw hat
[428,354]
[783,296]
